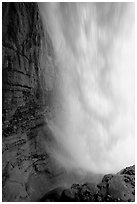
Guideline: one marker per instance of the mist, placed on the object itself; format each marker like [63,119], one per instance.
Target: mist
[93,84]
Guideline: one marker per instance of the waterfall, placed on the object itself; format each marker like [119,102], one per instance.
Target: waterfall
[93,123]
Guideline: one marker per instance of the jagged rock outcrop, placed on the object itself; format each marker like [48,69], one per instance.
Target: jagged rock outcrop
[113,188]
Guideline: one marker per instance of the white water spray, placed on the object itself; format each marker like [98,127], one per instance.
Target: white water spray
[94,100]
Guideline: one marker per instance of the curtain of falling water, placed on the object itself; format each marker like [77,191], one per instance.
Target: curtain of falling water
[94,84]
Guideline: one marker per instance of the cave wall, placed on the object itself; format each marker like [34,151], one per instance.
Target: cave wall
[25,161]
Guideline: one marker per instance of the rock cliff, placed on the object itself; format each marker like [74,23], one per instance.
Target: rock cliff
[24,156]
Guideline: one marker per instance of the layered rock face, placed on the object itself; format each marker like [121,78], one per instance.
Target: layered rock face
[24,156]
[28,170]
[21,44]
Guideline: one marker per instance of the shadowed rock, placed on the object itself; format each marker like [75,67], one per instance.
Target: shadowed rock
[113,187]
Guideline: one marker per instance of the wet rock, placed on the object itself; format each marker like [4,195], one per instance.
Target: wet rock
[53,195]
[128,170]
[68,195]
[118,187]
[20,65]
[22,104]
[113,188]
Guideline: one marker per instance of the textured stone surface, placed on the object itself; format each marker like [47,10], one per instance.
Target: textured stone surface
[119,187]
[21,47]
[113,188]
[25,161]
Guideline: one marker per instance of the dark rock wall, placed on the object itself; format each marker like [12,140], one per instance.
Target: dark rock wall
[21,47]
[23,103]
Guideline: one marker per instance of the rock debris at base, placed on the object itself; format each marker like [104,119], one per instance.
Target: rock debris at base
[118,187]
